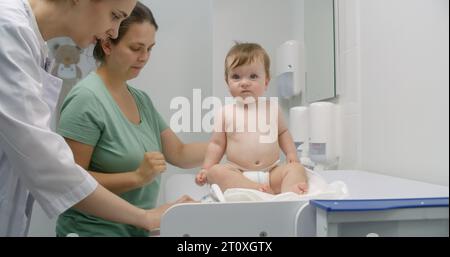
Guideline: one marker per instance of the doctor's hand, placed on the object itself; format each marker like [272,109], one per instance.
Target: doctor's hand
[200,178]
[153,216]
[152,165]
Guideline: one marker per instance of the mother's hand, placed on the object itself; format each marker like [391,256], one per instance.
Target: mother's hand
[153,164]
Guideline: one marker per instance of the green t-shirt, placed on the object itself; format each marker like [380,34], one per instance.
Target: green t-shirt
[91,116]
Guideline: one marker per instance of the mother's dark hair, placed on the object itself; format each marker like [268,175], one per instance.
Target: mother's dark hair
[139,15]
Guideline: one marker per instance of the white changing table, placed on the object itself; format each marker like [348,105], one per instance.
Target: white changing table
[386,206]
[389,207]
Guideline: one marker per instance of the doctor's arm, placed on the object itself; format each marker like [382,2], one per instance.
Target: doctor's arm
[103,203]
[119,183]
[179,154]
[99,202]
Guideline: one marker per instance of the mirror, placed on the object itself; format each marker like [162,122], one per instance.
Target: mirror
[320,50]
[271,23]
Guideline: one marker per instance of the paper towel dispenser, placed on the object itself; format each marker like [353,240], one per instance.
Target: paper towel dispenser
[290,69]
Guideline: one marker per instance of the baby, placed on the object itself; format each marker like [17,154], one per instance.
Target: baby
[253,157]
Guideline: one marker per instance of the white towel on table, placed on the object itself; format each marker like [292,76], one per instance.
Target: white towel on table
[318,189]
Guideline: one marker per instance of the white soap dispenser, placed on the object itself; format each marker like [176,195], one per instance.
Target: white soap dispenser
[299,129]
[290,69]
[322,141]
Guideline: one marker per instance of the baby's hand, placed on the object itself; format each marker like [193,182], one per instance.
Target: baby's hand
[292,159]
[200,179]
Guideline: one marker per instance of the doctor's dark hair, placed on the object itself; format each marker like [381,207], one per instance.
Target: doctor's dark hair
[139,15]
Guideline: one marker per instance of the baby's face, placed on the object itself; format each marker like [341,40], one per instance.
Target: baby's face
[248,80]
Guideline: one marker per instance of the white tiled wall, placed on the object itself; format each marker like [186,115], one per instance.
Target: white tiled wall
[394,87]
[348,84]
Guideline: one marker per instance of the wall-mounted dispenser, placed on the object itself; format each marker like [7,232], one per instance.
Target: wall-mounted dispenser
[290,69]
[299,126]
[314,133]
[322,141]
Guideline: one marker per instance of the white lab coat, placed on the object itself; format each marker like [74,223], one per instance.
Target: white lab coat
[34,161]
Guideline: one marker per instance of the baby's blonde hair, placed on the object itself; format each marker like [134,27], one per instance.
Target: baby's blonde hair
[246,53]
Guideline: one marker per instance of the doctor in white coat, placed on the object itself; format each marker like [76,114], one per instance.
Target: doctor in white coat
[36,163]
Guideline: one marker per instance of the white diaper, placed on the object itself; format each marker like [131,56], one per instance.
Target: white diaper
[319,188]
[260,177]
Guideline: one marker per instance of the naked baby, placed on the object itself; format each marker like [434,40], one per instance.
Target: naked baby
[252,149]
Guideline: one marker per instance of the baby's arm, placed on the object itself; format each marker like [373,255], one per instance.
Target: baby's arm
[215,151]
[285,140]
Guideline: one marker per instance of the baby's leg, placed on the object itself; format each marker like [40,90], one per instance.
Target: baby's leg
[227,176]
[289,178]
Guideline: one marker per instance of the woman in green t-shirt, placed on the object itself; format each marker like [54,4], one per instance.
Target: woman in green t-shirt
[116,133]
